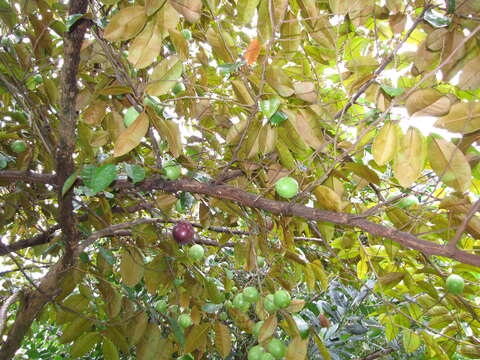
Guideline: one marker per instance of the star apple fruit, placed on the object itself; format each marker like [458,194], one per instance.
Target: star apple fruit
[286,187]
[250,294]
[183,232]
[282,299]
[455,284]
[184,320]
[196,252]
[18,146]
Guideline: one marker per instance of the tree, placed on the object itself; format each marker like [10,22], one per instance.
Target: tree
[103,102]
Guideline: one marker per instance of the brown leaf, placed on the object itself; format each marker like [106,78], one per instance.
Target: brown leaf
[131,136]
[125,24]
[223,339]
[252,52]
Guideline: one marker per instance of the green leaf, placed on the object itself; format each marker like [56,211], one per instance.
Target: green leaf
[69,182]
[135,172]
[436,19]
[107,254]
[451,5]
[270,106]
[72,19]
[177,330]
[392,91]
[98,178]
[278,118]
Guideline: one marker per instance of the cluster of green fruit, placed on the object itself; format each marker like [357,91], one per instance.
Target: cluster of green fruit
[271,302]
[183,320]
[275,349]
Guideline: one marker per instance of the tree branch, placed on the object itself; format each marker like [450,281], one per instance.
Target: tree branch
[289,209]
[27,176]
[3,310]
[39,239]
[452,245]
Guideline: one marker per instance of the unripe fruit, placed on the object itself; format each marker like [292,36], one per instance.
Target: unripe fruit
[184,321]
[229,274]
[267,356]
[196,252]
[234,289]
[257,327]
[455,284]
[277,348]
[260,261]
[269,304]
[161,306]
[407,202]
[255,353]
[239,302]
[3,162]
[187,34]
[172,172]
[250,294]
[223,316]
[18,146]
[178,88]
[286,187]
[282,299]
[183,232]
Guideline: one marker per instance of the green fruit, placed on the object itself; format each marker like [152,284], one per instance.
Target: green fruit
[184,321]
[277,348]
[38,79]
[228,304]
[187,34]
[172,172]
[161,306]
[239,302]
[245,307]
[178,282]
[196,252]
[234,289]
[287,187]
[229,274]
[267,356]
[3,162]
[257,327]
[18,146]
[455,284]
[282,299]
[174,309]
[269,304]
[250,294]
[255,353]
[407,202]
[130,116]
[260,261]
[178,88]
[223,316]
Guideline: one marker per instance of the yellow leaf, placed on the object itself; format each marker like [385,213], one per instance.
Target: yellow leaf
[362,269]
[426,102]
[246,10]
[84,344]
[190,9]
[125,24]
[268,328]
[109,350]
[242,92]
[149,345]
[223,339]
[165,76]
[411,340]
[197,337]
[463,118]
[131,136]
[297,349]
[327,198]
[409,157]
[384,145]
[450,164]
[131,266]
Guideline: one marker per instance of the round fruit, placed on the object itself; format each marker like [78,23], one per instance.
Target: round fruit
[287,187]
[245,307]
[250,294]
[267,356]
[161,306]
[183,232]
[184,321]
[282,299]
[187,34]
[276,348]
[229,274]
[228,304]
[239,301]
[407,202]
[255,353]
[178,88]
[174,309]
[234,289]
[260,261]
[172,172]
[455,284]
[257,327]
[130,116]
[196,252]
[18,146]
[3,162]
[223,316]
[269,304]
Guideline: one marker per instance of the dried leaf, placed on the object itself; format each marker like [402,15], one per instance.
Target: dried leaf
[125,24]
[131,136]
[223,339]
[131,266]
[252,52]
[410,157]
[190,9]
[464,118]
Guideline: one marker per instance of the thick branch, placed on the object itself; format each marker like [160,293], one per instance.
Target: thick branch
[4,309]
[27,176]
[289,209]
[39,239]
